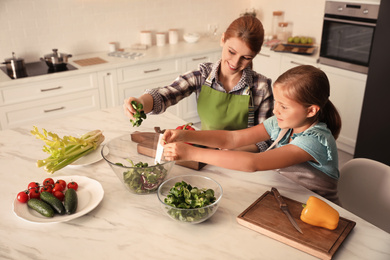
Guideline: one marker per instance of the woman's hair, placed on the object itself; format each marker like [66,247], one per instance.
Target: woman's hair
[308,86]
[249,29]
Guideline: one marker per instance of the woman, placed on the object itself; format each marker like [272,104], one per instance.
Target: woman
[230,95]
[304,128]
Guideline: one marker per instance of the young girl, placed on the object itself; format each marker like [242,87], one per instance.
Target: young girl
[230,95]
[304,128]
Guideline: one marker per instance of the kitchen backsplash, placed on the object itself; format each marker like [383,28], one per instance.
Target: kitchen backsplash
[32,28]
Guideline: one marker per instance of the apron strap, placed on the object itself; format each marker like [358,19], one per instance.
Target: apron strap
[280,136]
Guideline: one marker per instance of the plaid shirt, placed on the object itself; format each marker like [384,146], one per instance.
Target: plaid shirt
[192,81]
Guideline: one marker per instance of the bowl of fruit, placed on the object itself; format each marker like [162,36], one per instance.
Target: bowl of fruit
[138,173]
[190,199]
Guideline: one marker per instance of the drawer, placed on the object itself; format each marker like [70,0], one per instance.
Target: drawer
[48,88]
[150,70]
[48,108]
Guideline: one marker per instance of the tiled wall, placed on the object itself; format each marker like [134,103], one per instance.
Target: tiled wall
[31,28]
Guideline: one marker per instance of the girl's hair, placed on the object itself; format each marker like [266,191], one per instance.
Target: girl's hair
[308,86]
[249,29]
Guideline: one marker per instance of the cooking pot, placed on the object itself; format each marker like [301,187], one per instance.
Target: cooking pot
[56,59]
[15,67]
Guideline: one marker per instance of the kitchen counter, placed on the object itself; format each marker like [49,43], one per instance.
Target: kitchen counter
[152,54]
[128,226]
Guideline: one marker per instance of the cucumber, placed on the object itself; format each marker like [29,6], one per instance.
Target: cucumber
[53,201]
[41,207]
[70,201]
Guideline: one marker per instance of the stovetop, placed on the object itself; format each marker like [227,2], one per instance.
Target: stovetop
[40,68]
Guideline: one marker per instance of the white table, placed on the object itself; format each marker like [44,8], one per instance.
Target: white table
[127,226]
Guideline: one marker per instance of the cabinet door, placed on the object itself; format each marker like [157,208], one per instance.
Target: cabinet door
[107,82]
[267,64]
[288,61]
[346,93]
[54,107]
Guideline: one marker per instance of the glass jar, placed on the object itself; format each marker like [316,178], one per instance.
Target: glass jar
[277,17]
[284,32]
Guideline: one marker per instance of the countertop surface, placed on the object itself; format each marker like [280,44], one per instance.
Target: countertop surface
[152,54]
[128,226]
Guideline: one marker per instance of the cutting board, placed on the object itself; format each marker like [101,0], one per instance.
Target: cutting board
[147,145]
[265,216]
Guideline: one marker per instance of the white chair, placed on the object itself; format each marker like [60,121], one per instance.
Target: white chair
[364,189]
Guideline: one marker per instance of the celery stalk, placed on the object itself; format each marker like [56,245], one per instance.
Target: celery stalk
[64,151]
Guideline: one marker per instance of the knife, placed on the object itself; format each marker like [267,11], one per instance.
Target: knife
[160,150]
[284,208]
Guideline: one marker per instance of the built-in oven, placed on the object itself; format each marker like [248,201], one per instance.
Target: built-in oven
[347,34]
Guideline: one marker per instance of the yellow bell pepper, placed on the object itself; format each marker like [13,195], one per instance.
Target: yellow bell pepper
[318,213]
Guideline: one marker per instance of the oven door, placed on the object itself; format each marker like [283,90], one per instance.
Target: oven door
[346,43]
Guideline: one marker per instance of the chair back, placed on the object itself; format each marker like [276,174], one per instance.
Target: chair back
[364,189]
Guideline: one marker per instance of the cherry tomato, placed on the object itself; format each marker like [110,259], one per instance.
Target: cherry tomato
[23,196]
[73,185]
[57,187]
[59,195]
[32,185]
[48,181]
[63,183]
[48,188]
[34,193]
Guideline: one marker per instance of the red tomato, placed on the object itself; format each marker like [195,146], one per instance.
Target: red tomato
[34,193]
[73,185]
[47,188]
[23,196]
[57,187]
[63,183]
[59,195]
[48,181]
[32,185]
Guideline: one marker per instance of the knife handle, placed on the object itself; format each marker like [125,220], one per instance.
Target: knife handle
[278,197]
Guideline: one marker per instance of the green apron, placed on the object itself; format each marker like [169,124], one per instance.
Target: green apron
[223,111]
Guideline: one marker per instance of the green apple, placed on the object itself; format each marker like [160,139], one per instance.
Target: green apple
[303,40]
[297,39]
[290,39]
[309,40]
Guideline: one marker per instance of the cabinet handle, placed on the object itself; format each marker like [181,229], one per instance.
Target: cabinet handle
[296,63]
[50,89]
[265,55]
[54,109]
[200,58]
[149,71]
[108,73]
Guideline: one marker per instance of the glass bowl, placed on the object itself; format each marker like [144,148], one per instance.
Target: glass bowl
[121,152]
[192,215]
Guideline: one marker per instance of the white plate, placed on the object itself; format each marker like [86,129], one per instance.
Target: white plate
[90,158]
[89,193]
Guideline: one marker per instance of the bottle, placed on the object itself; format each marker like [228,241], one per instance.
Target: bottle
[277,17]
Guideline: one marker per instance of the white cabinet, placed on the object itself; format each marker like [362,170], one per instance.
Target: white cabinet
[32,102]
[346,93]
[289,61]
[267,63]
[108,90]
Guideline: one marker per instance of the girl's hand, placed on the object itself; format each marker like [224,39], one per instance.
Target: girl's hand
[128,109]
[177,151]
[171,136]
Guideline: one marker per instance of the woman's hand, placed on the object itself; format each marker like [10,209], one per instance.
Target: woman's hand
[128,109]
[146,100]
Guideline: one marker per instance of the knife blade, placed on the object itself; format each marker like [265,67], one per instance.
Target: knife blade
[160,150]
[283,206]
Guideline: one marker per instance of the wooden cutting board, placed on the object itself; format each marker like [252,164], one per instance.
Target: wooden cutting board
[265,217]
[147,145]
